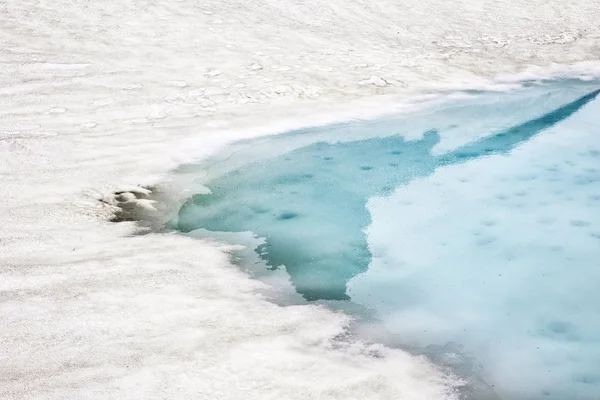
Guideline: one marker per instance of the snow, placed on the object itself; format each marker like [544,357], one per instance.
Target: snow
[105,96]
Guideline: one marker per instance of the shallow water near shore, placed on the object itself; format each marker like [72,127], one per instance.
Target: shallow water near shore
[473,222]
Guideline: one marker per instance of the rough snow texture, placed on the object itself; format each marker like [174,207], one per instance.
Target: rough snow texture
[100,96]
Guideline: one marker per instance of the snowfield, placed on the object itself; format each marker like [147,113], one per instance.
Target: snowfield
[98,97]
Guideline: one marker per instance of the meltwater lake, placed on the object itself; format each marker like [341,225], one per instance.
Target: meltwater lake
[474,222]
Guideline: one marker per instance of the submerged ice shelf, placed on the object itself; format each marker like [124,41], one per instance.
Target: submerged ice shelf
[334,208]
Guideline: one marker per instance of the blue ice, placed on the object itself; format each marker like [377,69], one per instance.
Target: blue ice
[475,222]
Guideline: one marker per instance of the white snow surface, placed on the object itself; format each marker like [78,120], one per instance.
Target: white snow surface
[98,96]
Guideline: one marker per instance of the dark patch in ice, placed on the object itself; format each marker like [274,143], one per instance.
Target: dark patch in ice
[260,210]
[486,240]
[590,379]
[559,327]
[579,223]
[464,154]
[287,215]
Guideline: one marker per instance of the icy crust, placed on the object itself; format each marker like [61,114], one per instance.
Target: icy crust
[132,321]
[255,51]
[100,97]
[501,255]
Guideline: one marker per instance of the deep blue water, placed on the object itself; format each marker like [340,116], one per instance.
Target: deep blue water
[331,207]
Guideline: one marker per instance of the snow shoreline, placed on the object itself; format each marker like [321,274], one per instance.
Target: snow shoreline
[99,99]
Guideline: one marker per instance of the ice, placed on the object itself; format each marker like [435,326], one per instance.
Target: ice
[500,254]
[89,310]
[468,271]
[309,203]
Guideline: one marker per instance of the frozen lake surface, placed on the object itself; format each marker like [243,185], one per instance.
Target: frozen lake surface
[474,222]
[102,100]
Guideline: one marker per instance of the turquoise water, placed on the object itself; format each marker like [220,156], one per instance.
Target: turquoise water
[409,215]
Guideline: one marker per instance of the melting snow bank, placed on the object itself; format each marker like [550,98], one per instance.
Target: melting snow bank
[102,97]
